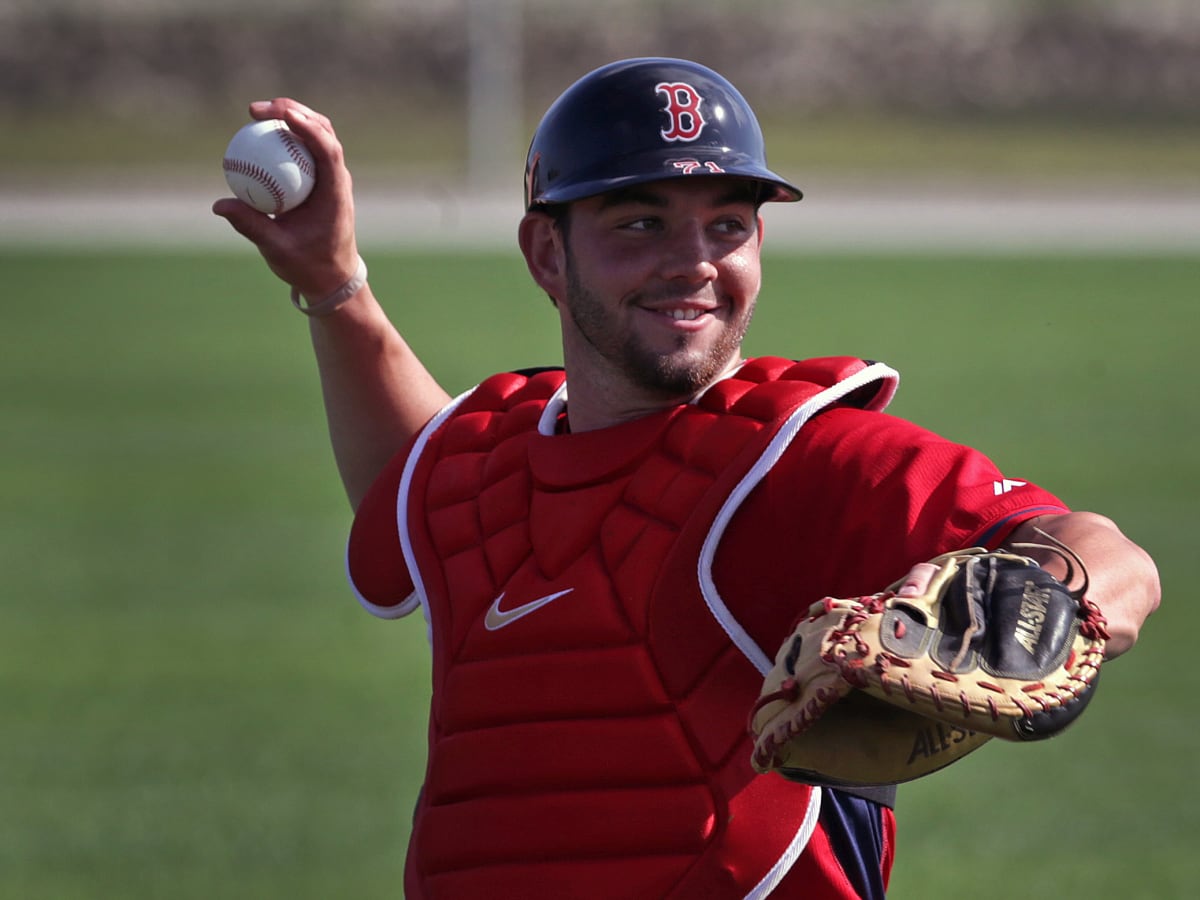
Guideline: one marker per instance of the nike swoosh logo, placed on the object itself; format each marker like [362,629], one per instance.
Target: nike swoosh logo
[498,618]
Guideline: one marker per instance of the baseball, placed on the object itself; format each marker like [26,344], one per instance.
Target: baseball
[268,167]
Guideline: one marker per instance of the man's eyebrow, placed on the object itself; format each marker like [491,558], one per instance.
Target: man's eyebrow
[632,196]
[740,192]
[639,195]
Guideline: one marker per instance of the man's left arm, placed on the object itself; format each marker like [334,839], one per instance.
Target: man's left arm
[1123,579]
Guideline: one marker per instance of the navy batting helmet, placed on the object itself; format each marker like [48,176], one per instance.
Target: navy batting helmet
[642,120]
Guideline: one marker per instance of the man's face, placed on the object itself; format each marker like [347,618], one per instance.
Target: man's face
[661,284]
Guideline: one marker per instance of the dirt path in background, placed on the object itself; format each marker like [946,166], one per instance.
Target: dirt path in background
[831,218]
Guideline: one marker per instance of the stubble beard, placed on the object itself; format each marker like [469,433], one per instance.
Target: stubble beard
[668,375]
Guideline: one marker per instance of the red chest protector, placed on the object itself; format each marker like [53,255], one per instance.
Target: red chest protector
[590,682]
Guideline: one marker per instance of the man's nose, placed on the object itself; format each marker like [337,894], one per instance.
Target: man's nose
[690,253]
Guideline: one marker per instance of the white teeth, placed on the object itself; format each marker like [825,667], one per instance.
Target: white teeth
[684,314]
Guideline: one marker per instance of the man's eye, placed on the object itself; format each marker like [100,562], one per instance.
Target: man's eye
[646,223]
[732,225]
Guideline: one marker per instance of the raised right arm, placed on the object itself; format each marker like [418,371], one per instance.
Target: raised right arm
[376,391]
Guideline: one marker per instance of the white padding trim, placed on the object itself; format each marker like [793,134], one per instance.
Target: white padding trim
[398,611]
[410,465]
[416,599]
[770,456]
[795,848]
[548,421]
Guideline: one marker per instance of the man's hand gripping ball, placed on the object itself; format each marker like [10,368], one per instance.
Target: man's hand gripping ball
[884,689]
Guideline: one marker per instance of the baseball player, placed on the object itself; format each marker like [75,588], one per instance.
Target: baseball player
[608,554]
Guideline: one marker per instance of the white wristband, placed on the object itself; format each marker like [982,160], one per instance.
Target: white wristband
[326,305]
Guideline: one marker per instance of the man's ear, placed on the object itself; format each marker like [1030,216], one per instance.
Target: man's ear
[545,253]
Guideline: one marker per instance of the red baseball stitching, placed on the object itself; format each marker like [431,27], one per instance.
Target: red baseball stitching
[259,174]
[297,151]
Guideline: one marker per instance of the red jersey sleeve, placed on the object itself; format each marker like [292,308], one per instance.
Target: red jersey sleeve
[858,499]
[374,558]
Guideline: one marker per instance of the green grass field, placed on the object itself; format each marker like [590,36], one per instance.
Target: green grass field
[195,707]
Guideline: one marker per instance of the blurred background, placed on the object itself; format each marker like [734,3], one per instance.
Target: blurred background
[979,99]
[1002,199]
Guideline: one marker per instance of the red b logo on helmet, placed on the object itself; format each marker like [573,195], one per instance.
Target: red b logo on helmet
[683,106]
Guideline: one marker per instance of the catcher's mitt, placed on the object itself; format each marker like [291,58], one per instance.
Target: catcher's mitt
[884,689]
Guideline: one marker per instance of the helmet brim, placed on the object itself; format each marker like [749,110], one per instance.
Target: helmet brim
[667,165]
